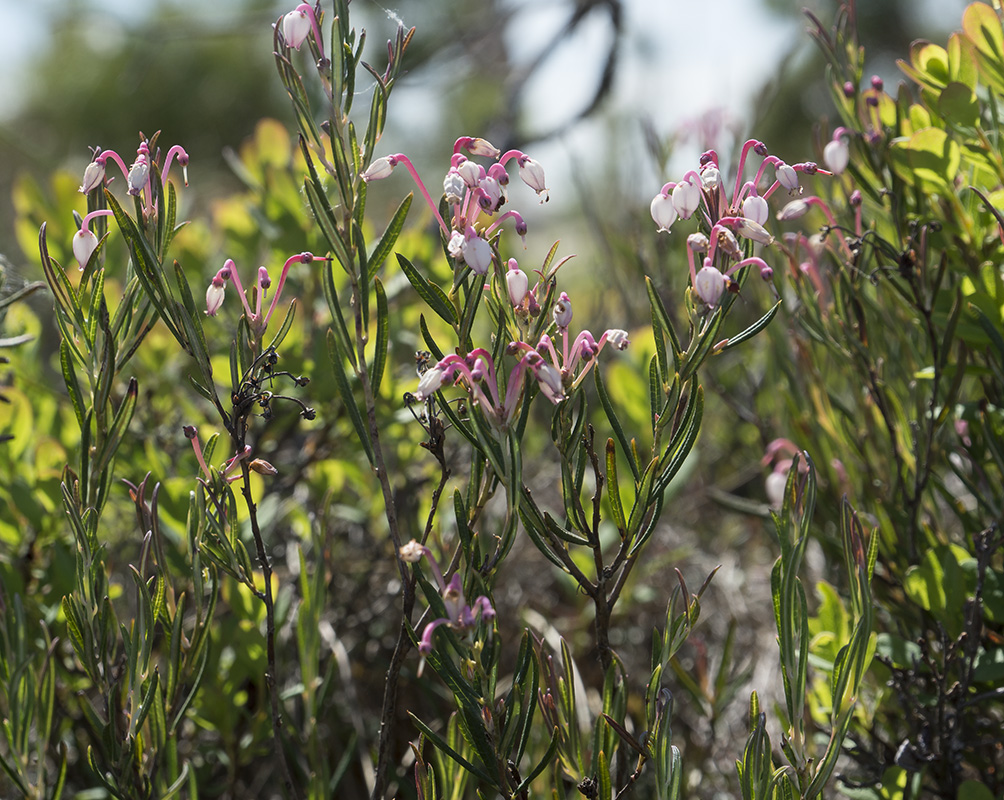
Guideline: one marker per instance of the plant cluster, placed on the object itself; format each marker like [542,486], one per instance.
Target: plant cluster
[423,413]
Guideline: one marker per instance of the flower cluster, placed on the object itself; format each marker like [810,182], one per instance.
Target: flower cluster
[138,178]
[256,320]
[475,196]
[742,213]
[476,371]
[460,616]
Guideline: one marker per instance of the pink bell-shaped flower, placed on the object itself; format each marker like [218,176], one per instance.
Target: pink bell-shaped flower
[755,208]
[836,154]
[709,284]
[296,28]
[84,245]
[663,212]
[686,198]
[476,252]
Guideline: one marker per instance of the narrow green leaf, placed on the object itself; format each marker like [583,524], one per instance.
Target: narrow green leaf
[622,439]
[429,292]
[382,337]
[390,236]
[348,400]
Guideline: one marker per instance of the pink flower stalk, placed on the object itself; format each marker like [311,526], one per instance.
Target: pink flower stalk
[460,616]
[382,167]
[297,26]
[94,174]
[227,472]
[257,322]
[84,241]
[800,206]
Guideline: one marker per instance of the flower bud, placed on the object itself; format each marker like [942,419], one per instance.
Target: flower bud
[264,281]
[793,210]
[532,174]
[477,253]
[754,232]
[709,284]
[711,177]
[755,209]
[550,382]
[482,147]
[563,311]
[295,28]
[729,244]
[139,172]
[262,467]
[787,176]
[379,169]
[517,283]
[686,198]
[698,242]
[214,296]
[94,176]
[84,245]
[470,171]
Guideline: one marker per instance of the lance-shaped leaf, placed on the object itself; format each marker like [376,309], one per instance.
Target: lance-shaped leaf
[433,296]
[390,236]
[345,392]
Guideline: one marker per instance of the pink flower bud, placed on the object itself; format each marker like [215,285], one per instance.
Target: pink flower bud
[94,176]
[686,198]
[563,311]
[139,172]
[755,208]
[482,147]
[663,212]
[709,284]
[84,245]
[532,174]
[517,283]
[787,176]
[550,382]
[793,210]
[754,232]
[379,169]
[476,253]
[264,281]
[295,28]
[698,243]
[214,296]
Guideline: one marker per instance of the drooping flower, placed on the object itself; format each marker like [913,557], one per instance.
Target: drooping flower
[84,241]
[837,154]
[663,212]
